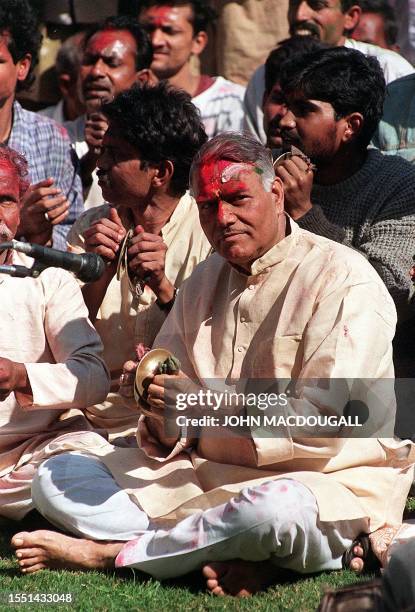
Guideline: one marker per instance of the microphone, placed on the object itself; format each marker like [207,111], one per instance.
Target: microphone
[88,267]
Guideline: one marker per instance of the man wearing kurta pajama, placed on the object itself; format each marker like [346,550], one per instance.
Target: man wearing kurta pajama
[50,360]
[274,302]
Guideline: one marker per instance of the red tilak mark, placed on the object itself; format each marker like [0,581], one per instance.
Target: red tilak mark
[159,16]
[102,40]
[210,185]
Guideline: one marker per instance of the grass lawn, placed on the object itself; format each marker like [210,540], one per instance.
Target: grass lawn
[126,590]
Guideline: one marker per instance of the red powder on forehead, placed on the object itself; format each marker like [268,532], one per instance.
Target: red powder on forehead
[158,16]
[210,184]
[100,41]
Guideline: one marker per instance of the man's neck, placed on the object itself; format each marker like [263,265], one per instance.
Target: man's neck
[185,79]
[6,119]
[341,167]
[154,214]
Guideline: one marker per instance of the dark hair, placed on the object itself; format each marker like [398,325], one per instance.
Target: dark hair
[382,8]
[19,163]
[144,55]
[288,49]
[347,4]
[18,19]
[162,124]
[347,79]
[202,14]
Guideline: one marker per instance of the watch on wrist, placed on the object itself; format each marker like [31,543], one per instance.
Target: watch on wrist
[167,306]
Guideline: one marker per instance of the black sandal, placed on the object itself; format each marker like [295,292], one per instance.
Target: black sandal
[370,560]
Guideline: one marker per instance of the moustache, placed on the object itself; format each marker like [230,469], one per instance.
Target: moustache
[305,28]
[5,233]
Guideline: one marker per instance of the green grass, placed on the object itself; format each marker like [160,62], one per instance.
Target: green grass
[128,590]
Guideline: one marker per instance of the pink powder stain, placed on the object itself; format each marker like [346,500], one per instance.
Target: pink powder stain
[345,331]
[283,488]
[127,553]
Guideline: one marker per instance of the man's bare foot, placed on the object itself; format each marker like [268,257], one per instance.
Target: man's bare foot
[48,549]
[239,578]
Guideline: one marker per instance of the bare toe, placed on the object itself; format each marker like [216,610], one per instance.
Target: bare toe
[357,565]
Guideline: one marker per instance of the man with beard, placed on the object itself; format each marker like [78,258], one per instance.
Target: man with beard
[357,196]
[50,359]
[116,55]
[329,21]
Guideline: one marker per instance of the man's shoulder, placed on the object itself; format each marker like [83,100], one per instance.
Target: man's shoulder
[393,168]
[221,88]
[37,126]
[393,64]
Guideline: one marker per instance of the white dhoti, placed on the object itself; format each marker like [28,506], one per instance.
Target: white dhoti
[276,521]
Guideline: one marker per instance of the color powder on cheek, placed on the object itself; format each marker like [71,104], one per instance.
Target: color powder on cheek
[221,212]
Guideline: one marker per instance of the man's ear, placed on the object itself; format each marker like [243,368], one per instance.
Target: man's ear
[200,40]
[278,192]
[23,67]
[353,126]
[352,16]
[146,76]
[163,173]
[64,82]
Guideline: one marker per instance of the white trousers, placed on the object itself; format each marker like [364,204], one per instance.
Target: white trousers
[276,521]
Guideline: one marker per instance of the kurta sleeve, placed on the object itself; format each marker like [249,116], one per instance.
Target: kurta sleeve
[79,377]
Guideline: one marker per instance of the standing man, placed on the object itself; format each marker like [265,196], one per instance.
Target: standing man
[54,199]
[154,133]
[330,22]
[50,358]
[178,31]
[116,54]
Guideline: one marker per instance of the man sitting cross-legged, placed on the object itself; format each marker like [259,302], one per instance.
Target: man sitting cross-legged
[50,359]
[274,302]
[154,133]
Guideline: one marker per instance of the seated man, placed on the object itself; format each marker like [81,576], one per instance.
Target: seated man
[357,196]
[143,171]
[50,359]
[330,22]
[178,31]
[273,302]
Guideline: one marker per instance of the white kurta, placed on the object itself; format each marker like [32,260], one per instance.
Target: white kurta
[310,309]
[124,321]
[44,325]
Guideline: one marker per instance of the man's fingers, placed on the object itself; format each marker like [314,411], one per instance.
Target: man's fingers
[145,245]
[99,239]
[107,228]
[59,218]
[115,218]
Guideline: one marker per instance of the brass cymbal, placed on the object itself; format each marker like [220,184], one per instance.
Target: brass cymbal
[147,368]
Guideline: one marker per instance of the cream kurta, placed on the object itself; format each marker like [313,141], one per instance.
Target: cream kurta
[123,320]
[311,308]
[44,325]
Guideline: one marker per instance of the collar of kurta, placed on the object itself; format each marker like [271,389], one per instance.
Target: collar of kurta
[276,254]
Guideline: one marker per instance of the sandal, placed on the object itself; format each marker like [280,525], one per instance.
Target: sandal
[370,560]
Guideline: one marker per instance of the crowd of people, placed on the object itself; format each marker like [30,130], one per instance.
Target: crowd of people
[264,236]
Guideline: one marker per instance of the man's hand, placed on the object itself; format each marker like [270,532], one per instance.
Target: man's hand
[297,178]
[96,125]
[147,258]
[158,398]
[105,235]
[13,377]
[43,206]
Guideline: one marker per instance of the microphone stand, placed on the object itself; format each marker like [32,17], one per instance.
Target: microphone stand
[16,270]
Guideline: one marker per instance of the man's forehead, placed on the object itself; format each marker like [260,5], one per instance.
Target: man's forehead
[167,14]
[111,42]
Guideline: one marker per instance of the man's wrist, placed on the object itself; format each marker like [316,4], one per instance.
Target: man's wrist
[298,212]
[165,292]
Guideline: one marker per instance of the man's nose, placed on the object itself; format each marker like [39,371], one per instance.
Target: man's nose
[224,215]
[98,69]
[287,120]
[303,12]
[157,38]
